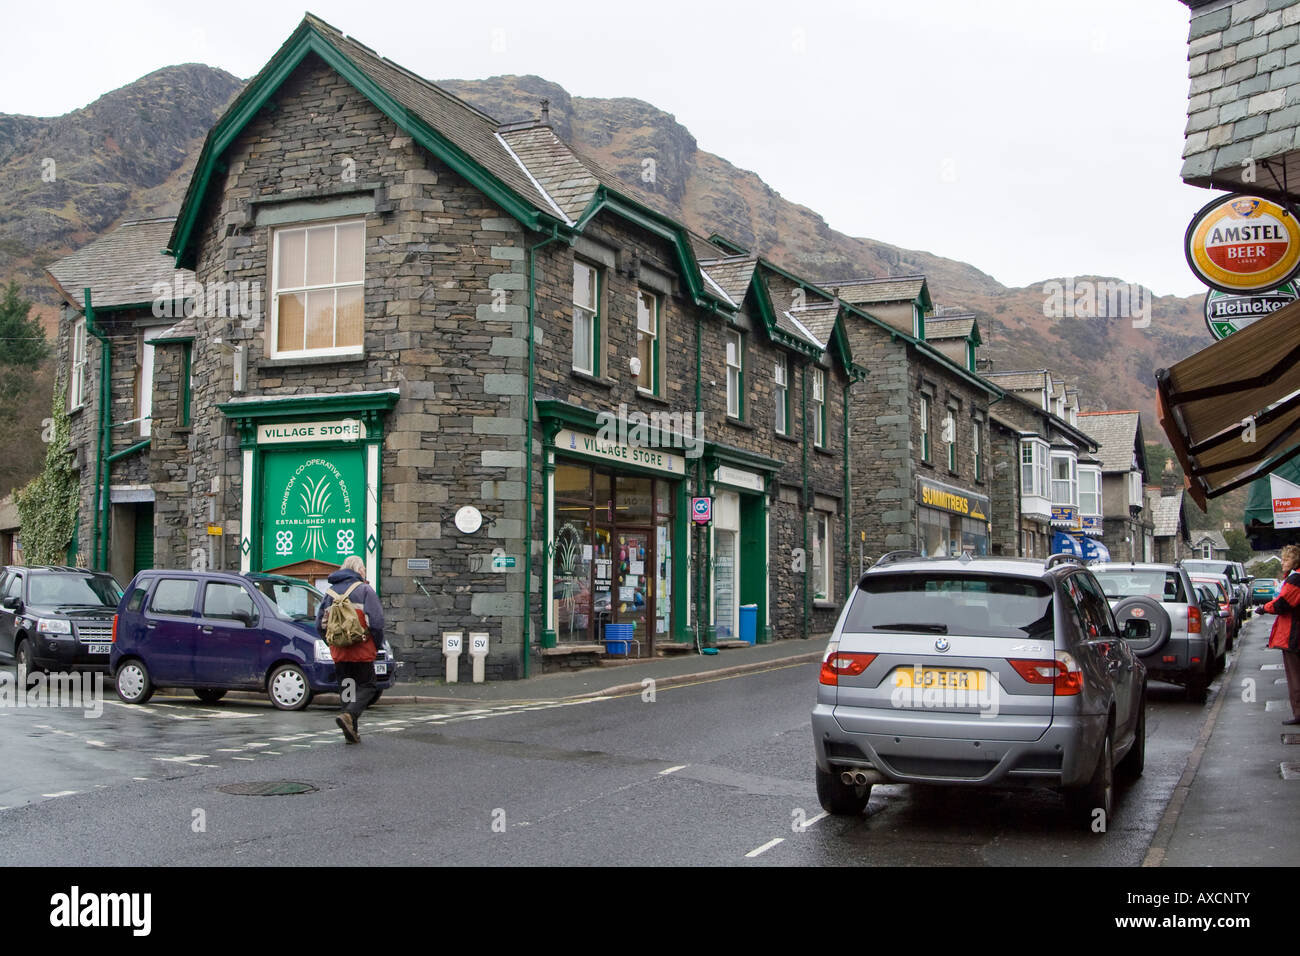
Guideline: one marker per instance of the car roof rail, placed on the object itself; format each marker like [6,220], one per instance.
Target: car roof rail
[892,556]
[1062,557]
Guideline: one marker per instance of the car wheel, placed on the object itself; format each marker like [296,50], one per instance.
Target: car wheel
[288,688]
[838,798]
[1098,793]
[1198,688]
[209,695]
[23,660]
[134,685]
[1136,758]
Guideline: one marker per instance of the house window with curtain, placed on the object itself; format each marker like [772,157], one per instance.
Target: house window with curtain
[1089,491]
[950,436]
[586,318]
[318,285]
[925,428]
[821,554]
[977,447]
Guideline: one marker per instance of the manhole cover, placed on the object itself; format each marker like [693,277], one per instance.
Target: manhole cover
[267,788]
[1291,771]
[1291,738]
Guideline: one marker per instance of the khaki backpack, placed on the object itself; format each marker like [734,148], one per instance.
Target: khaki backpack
[342,626]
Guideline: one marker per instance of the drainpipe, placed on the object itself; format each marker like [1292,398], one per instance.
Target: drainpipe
[803,403]
[848,522]
[697,554]
[99,537]
[528,444]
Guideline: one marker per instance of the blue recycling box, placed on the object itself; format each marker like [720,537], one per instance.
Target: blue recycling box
[749,623]
[618,639]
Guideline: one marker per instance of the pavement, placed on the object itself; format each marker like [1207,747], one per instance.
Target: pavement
[1233,807]
[610,679]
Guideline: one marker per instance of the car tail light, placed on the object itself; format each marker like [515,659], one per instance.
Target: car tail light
[1193,620]
[844,663]
[114,628]
[1223,607]
[1168,659]
[1063,673]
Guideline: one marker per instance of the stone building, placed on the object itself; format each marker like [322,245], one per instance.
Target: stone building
[121,275]
[1173,539]
[1059,478]
[391,326]
[1126,520]
[920,426]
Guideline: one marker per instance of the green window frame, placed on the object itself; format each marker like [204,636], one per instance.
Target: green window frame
[187,377]
[925,428]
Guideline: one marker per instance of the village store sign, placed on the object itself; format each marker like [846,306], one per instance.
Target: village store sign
[1242,244]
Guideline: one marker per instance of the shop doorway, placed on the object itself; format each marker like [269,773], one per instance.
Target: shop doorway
[612,553]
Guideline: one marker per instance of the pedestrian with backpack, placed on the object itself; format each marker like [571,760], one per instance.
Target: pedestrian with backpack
[351,622]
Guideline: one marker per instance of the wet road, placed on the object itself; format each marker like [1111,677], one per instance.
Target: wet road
[717,773]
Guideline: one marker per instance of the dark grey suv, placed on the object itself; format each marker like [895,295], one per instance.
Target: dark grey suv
[978,672]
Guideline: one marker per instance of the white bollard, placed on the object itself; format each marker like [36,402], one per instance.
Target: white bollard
[451,646]
[478,648]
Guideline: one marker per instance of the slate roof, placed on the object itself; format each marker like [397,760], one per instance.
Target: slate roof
[884,289]
[469,129]
[1116,435]
[1166,514]
[817,320]
[732,274]
[949,327]
[1016,381]
[1220,543]
[121,267]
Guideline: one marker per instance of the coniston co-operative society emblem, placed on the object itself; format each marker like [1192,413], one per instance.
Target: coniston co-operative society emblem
[1243,244]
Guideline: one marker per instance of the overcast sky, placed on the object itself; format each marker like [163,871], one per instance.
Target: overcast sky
[1010,134]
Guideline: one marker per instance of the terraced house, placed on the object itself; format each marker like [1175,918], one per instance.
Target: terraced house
[476,360]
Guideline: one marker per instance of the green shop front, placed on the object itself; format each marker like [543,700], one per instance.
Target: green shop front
[310,481]
[620,543]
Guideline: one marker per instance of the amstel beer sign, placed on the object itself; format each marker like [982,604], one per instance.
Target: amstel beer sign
[1242,243]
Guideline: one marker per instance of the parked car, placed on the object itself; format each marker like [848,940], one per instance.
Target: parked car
[1236,575]
[1222,597]
[1166,622]
[978,672]
[1208,595]
[216,631]
[1263,590]
[57,618]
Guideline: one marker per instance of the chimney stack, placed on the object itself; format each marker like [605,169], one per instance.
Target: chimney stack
[546,112]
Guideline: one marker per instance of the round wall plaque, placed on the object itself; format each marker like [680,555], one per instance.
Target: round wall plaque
[468,520]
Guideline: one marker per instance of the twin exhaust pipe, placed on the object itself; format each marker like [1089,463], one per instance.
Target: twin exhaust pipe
[860,778]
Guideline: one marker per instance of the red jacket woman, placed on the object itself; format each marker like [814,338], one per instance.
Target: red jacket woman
[1285,635]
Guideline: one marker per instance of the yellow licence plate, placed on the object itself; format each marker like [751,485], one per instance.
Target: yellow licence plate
[941,677]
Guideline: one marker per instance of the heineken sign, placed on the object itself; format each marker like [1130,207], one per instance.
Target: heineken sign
[313,506]
[1226,312]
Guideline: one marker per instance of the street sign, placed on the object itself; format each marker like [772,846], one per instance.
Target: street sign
[701,510]
[214,529]
[451,642]
[503,562]
[1226,312]
[1240,243]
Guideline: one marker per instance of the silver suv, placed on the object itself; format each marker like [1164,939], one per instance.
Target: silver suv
[978,672]
[1168,626]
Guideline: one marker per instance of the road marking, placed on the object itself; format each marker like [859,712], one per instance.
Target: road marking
[1270,667]
[664,773]
[275,753]
[243,758]
[96,743]
[61,793]
[821,816]
[230,750]
[185,759]
[256,743]
[764,848]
